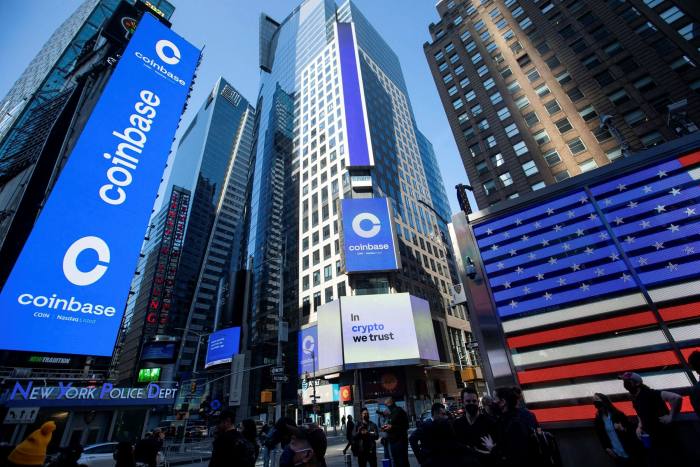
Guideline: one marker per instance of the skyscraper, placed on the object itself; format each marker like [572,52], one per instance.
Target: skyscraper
[312,130]
[213,157]
[537,93]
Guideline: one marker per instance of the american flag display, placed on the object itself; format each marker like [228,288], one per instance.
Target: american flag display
[581,282]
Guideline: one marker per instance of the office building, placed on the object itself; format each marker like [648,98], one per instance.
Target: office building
[212,158]
[537,92]
[306,165]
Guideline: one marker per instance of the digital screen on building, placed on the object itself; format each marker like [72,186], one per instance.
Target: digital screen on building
[356,123]
[329,344]
[369,239]
[386,329]
[67,291]
[308,352]
[222,346]
[574,279]
[159,351]
[148,375]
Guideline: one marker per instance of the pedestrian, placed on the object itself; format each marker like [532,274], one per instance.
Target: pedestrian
[616,433]
[513,443]
[266,437]
[349,433]
[435,444]
[302,448]
[365,440]
[146,450]
[229,446]
[342,422]
[68,456]
[487,406]
[32,451]
[397,433]
[655,421]
[250,432]
[694,361]
[474,424]
[124,455]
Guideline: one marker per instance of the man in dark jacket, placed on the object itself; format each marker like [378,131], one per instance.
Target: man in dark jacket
[365,440]
[434,443]
[229,446]
[513,444]
[474,425]
[397,431]
[694,361]
[349,433]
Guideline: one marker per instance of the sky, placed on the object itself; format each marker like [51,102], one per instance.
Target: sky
[228,31]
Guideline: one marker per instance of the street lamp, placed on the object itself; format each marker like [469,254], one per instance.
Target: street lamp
[199,343]
[606,123]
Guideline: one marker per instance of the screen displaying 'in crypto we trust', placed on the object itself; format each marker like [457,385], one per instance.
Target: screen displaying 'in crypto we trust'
[67,291]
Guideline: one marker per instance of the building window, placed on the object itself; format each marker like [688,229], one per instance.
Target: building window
[682,64]
[506,179]
[506,72]
[645,83]
[503,113]
[672,15]
[483,125]
[588,164]
[542,90]
[531,118]
[561,176]
[489,187]
[541,137]
[520,148]
[553,62]
[652,139]
[482,70]
[305,282]
[327,273]
[653,3]
[317,278]
[439,55]
[547,7]
[482,168]
[459,70]
[574,94]
[525,23]
[613,48]
[470,96]
[689,31]
[502,23]
[533,75]
[530,168]
[537,186]
[457,104]
[613,154]
[516,47]
[524,61]
[563,77]
[518,12]
[645,30]
[464,82]
[567,31]
[578,46]
[604,78]
[522,102]
[469,133]
[508,34]
[479,25]
[463,118]
[563,125]
[489,83]
[452,91]
[552,107]
[551,157]
[491,141]
[454,58]
[591,61]
[601,134]
[588,113]
[476,110]
[447,79]
[576,146]
[511,130]
[458,20]
[476,58]
[496,98]
[618,97]
[497,160]
[542,48]
[635,117]
[475,149]
[513,87]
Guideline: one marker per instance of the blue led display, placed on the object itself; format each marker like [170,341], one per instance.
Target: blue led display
[368,235]
[222,346]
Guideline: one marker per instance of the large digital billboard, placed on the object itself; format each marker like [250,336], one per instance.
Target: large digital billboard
[369,239]
[386,329]
[308,351]
[67,291]
[222,346]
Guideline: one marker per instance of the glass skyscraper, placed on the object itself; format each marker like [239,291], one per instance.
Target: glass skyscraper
[301,171]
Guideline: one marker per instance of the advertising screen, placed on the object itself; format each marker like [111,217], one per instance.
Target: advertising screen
[222,346]
[386,328]
[329,348]
[308,353]
[158,351]
[148,375]
[368,235]
[67,291]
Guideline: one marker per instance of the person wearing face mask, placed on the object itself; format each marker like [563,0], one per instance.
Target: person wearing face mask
[300,451]
[656,420]
[616,433]
[230,446]
[365,440]
[474,425]
[435,444]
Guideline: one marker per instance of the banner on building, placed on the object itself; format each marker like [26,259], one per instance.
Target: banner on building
[369,237]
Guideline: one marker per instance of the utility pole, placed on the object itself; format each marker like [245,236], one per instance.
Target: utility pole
[280,318]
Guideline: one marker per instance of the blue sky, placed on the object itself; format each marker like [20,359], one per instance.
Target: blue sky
[229,32]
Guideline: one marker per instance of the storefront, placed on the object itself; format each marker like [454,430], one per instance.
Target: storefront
[86,414]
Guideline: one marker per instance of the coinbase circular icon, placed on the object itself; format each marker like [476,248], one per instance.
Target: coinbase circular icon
[358,228]
[168,52]
[70,261]
[308,343]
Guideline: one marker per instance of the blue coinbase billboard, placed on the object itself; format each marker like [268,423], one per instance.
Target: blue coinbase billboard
[368,235]
[308,350]
[223,345]
[67,291]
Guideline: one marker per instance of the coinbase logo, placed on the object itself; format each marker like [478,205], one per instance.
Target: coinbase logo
[168,52]
[369,217]
[70,260]
[308,344]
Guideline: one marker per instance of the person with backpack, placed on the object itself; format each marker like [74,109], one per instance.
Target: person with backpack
[229,446]
[349,433]
[616,433]
[397,433]
[250,432]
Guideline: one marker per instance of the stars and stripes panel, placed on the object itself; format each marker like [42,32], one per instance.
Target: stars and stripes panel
[581,281]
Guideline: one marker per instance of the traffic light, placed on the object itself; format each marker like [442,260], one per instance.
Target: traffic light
[265,396]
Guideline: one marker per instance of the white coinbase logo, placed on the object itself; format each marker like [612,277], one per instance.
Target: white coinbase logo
[168,52]
[308,343]
[70,259]
[366,233]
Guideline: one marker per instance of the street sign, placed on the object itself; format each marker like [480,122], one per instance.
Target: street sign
[280,378]
[277,370]
[21,415]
